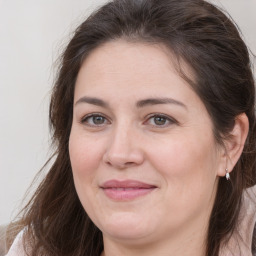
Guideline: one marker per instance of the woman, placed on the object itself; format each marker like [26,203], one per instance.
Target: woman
[153,120]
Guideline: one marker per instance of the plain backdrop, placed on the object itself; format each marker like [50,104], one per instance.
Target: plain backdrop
[32,35]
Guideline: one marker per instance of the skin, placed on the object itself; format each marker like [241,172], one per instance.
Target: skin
[177,153]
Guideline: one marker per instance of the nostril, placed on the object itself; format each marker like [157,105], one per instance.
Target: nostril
[120,165]
[108,163]
[129,163]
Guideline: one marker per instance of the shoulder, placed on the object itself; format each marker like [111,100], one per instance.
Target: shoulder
[17,248]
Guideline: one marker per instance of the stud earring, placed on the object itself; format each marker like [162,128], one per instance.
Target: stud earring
[227,174]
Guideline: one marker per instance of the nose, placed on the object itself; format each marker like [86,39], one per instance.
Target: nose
[124,148]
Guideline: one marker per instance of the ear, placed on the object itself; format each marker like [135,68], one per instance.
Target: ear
[234,145]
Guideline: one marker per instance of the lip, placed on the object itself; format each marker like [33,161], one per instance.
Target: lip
[126,190]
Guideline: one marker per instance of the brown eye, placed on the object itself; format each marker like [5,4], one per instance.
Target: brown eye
[98,120]
[160,120]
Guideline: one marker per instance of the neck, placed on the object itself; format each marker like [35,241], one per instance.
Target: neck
[191,244]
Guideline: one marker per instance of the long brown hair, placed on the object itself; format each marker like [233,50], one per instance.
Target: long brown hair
[196,32]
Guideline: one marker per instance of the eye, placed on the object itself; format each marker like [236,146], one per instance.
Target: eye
[94,120]
[160,120]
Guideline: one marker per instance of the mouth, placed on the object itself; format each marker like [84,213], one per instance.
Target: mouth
[126,190]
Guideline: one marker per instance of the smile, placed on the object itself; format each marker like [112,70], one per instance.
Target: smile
[126,190]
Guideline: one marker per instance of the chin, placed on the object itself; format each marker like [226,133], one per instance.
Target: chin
[126,226]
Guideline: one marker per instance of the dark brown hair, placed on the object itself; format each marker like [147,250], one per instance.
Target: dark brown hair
[196,32]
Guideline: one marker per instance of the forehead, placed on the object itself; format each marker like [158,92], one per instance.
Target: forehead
[133,53]
[132,67]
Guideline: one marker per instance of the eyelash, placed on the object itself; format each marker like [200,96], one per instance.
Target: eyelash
[170,120]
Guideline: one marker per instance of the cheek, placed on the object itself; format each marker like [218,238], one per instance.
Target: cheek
[85,155]
[188,164]
[189,173]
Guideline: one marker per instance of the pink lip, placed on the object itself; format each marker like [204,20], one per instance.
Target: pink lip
[126,190]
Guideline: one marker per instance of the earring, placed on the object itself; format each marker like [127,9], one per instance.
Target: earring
[227,174]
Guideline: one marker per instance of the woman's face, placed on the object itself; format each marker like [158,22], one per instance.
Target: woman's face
[142,150]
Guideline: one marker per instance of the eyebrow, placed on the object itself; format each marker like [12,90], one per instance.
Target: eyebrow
[139,104]
[93,101]
[157,101]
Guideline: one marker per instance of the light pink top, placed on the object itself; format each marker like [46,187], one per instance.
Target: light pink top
[239,244]
[17,247]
